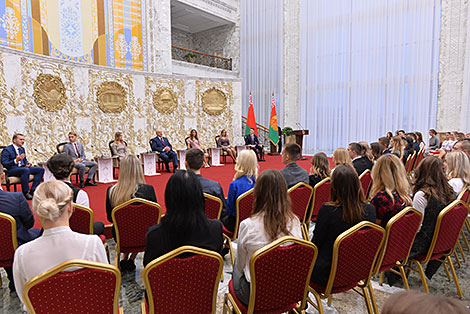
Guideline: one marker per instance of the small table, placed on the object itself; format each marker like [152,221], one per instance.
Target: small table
[149,160]
[105,169]
[240,148]
[182,158]
[215,156]
[48,176]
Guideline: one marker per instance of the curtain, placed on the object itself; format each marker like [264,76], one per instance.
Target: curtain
[262,56]
[367,67]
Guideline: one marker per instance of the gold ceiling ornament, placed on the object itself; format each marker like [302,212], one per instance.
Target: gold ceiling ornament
[49,92]
[214,101]
[111,97]
[165,100]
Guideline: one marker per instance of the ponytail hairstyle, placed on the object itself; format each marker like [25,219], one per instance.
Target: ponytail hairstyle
[51,199]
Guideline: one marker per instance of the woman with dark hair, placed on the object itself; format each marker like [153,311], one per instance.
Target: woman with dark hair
[185,221]
[320,168]
[272,219]
[419,140]
[376,150]
[193,142]
[397,146]
[408,148]
[389,135]
[346,208]
[224,143]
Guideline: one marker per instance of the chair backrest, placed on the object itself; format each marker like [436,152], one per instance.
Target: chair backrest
[300,195]
[183,285]
[419,158]
[110,149]
[131,220]
[81,220]
[464,195]
[8,240]
[60,147]
[213,206]
[280,274]
[366,180]
[244,207]
[446,233]
[217,141]
[186,141]
[409,162]
[321,195]
[400,233]
[354,255]
[93,288]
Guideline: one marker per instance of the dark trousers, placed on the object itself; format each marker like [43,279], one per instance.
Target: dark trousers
[23,173]
[167,156]
[258,151]
[241,285]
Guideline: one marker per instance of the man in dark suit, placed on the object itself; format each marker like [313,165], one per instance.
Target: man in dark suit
[162,145]
[77,152]
[194,161]
[15,205]
[252,141]
[360,162]
[14,159]
[293,173]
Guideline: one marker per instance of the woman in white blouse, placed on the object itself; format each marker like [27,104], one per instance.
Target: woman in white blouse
[458,170]
[52,202]
[272,218]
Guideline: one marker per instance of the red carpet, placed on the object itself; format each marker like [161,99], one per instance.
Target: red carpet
[223,174]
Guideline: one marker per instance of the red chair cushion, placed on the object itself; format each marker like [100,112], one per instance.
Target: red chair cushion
[102,238]
[451,225]
[212,208]
[300,198]
[80,221]
[7,251]
[322,195]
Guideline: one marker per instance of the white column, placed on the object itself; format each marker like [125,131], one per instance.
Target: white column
[159,36]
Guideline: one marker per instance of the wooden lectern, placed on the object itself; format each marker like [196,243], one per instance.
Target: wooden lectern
[299,139]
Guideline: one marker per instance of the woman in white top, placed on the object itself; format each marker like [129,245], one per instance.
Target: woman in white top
[52,202]
[272,219]
[458,170]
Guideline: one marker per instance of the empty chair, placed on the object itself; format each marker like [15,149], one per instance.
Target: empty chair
[213,206]
[321,195]
[301,195]
[366,180]
[8,240]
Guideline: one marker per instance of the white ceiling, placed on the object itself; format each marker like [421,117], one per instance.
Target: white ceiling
[192,20]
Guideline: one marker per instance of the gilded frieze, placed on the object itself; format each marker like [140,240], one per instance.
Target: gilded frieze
[49,92]
[165,100]
[111,97]
[214,101]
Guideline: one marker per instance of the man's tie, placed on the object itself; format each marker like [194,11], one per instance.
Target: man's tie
[76,149]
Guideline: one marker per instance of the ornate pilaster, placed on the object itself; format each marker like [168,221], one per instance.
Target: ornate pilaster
[159,36]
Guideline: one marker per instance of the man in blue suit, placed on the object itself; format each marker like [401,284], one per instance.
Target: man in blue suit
[14,159]
[162,145]
[14,204]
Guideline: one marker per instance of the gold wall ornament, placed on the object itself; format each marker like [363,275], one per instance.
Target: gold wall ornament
[111,97]
[214,101]
[165,100]
[49,92]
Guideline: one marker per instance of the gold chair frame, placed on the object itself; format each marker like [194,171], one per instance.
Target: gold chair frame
[75,263]
[170,255]
[467,222]
[116,229]
[304,221]
[14,238]
[212,197]
[363,284]
[274,245]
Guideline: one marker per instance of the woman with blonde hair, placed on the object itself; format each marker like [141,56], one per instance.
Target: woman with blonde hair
[272,218]
[131,184]
[390,188]
[367,152]
[246,171]
[397,146]
[341,157]
[119,146]
[320,168]
[52,202]
[458,170]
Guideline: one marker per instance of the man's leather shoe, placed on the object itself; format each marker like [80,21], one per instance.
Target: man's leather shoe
[89,183]
[28,196]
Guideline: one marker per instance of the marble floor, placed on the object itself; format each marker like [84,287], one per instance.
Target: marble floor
[350,302]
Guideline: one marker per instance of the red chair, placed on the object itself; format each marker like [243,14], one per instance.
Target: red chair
[449,224]
[94,288]
[183,285]
[410,161]
[464,196]
[354,255]
[301,195]
[213,206]
[419,158]
[366,180]
[321,195]
[279,278]
[131,220]
[8,241]
[244,208]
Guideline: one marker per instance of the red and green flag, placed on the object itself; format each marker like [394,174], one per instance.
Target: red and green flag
[273,129]
[251,121]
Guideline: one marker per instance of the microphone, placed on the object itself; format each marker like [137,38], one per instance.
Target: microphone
[42,154]
[300,126]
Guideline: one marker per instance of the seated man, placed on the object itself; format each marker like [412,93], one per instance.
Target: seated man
[61,166]
[252,141]
[361,163]
[77,152]
[14,159]
[162,145]
[14,204]
[194,162]
[293,173]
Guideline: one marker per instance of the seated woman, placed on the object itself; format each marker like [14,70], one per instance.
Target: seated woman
[52,202]
[341,157]
[390,188]
[458,170]
[346,208]
[408,149]
[397,147]
[119,147]
[367,151]
[244,179]
[376,151]
[131,184]
[185,221]
[272,218]
[193,142]
[419,140]
[432,193]
[224,143]
[320,168]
